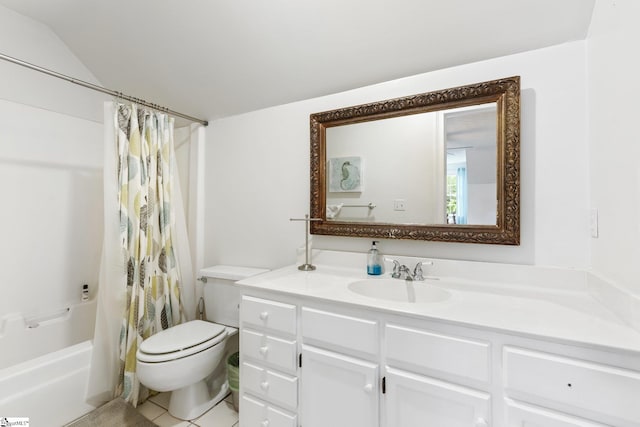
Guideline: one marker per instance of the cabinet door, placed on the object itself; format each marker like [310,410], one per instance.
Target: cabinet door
[337,390]
[417,401]
[522,415]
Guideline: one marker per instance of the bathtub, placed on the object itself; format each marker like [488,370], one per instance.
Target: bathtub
[44,364]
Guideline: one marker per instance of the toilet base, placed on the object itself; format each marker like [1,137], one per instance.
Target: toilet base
[192,401]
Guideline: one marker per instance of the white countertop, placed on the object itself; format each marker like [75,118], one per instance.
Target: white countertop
[565,311]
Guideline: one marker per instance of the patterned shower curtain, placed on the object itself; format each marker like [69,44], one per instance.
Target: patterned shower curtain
[147,235]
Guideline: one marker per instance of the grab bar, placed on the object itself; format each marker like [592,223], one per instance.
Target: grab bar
[35,321]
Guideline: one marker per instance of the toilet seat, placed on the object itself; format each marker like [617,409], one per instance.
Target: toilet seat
[181,341]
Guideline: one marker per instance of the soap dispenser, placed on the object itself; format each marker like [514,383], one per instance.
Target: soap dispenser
[374,260]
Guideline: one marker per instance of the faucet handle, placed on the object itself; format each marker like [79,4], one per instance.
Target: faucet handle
[417,271]
[396,268]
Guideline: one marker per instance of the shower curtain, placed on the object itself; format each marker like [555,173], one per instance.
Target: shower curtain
[146,279]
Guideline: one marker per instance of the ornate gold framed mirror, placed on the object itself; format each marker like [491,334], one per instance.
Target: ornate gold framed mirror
[441,166]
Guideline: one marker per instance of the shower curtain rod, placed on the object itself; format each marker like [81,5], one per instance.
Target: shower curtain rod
[101,89]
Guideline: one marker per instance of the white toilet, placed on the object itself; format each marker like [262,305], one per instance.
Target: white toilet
[189,359]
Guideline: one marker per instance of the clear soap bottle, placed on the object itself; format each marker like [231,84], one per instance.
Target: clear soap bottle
[374,260]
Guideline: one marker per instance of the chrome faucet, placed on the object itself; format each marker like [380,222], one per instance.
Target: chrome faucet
[401,271]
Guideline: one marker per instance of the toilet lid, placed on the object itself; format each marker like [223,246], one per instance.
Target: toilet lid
[181,337]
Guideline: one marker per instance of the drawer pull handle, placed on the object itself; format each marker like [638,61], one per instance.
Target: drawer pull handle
[264,350]
[368,388]
[264,385]
[264,315]
[481,422]
[264,423]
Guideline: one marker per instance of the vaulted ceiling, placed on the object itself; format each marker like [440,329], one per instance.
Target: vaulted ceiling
[215,58]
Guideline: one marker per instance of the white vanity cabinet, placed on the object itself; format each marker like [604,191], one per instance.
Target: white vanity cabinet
[268,363]
[314,363]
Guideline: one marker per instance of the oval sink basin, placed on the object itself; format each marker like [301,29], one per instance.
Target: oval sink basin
[399,290]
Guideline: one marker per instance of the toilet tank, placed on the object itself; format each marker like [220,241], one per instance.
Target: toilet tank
[221,295]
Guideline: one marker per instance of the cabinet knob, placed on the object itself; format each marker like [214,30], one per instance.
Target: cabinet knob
[264,423]
[368,388]
[264,385]
[264,350]
[264,315]
[481,422]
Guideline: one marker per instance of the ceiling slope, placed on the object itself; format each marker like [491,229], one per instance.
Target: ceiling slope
[215,58]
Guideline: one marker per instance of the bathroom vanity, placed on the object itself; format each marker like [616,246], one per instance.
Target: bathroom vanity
[523,346]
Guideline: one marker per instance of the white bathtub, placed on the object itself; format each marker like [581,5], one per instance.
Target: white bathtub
[44,365]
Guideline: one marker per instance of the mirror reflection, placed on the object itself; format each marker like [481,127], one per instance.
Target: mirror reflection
[430,168]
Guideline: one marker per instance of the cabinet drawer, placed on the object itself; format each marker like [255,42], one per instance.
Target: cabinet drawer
[268,314]
[268,349]
[255,413]
[352,333]
[273,386]
[586,387]
[462,357]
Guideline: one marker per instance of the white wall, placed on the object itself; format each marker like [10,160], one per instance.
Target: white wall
[50,173]
[30,41]
[257,173]
[614,141]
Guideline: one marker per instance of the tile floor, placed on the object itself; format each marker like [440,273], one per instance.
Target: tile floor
[221,415]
